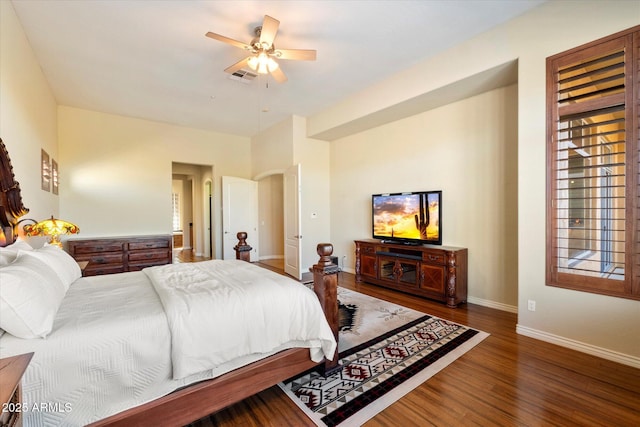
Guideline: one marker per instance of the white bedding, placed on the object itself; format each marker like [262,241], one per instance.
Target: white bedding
[221,310]
[109,350]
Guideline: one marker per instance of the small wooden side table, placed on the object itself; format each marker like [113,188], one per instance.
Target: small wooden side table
[11,372]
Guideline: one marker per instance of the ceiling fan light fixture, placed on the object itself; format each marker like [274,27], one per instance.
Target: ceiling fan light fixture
[253,63]
[272,65]
[262,63]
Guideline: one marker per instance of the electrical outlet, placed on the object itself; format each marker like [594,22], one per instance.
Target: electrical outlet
[531,305]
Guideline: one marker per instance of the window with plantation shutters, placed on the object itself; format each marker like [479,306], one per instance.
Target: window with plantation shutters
[593,95]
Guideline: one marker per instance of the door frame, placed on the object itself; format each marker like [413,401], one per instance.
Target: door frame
[281,172]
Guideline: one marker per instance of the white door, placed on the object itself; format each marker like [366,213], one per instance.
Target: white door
[239,213]
[292,232]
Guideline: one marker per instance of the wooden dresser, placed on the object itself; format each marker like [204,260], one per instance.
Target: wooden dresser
[11,372]
[436,272]
[119,254]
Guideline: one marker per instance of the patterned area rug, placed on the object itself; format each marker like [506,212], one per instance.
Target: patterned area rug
[387,351]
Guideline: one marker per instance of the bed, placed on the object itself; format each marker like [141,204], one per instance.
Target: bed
[139,348]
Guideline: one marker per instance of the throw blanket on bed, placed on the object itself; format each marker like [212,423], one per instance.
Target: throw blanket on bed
[219,310]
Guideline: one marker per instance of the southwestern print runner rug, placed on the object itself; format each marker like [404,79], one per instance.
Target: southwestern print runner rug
[386,351]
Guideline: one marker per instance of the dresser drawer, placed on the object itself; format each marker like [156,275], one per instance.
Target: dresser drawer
[139,265]
[98,270]
[149,244]
[368,250]
[150,255]
[101,258]
[434,257]
[84,248]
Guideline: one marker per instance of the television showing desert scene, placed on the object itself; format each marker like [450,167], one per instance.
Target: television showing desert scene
[413,216]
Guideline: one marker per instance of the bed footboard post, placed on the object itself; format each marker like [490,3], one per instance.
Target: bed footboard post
[243,250]
[325,285]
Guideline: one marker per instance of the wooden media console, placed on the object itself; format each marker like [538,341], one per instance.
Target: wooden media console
[436,272]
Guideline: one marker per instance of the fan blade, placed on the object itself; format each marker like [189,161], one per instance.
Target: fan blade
[238,65]
[269,29]
[232,42]
[296,54]
[278,75]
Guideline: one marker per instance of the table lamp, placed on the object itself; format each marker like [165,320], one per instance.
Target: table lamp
[51,227]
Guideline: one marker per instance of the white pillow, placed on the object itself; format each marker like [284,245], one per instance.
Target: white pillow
[63,264]
[30,295]
[9,253]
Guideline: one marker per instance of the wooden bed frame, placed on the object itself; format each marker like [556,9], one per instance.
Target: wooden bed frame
[206,397]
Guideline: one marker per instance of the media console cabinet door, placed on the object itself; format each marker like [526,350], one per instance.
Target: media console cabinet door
[432,278]
[399,271]
[368,266]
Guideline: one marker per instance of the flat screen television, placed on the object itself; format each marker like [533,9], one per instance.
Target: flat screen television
[408,218]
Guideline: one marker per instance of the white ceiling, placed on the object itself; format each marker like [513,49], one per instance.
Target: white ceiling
[150,59]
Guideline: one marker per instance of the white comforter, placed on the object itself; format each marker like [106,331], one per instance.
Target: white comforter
[221,310]
[109,350]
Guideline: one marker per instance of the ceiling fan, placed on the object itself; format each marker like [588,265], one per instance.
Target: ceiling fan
[263,51]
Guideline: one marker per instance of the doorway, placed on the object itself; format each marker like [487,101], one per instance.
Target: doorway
[279,219]
[192,212]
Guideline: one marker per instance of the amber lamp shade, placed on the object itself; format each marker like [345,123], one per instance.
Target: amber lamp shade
[53,228]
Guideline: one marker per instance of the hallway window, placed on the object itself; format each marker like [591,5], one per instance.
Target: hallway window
[175,205]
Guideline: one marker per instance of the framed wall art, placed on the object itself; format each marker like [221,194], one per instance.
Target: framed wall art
[54,176]
[45,171]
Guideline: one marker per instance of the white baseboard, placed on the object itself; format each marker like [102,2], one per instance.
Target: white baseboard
[271,257]
[493,304]
[593,350]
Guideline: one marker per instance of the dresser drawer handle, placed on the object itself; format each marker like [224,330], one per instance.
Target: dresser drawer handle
[99,248]
[433,258]
[100,260]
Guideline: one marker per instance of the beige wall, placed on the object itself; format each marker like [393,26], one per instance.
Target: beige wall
[28,115]
[272,150]
[120,170]
[466,149]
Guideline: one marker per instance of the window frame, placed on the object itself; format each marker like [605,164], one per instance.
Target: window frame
[629,287]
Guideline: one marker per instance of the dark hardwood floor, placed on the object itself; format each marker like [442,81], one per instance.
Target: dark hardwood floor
[507,380]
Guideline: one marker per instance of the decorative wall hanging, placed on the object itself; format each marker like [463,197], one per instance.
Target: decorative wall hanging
[54,176]
[45,171]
